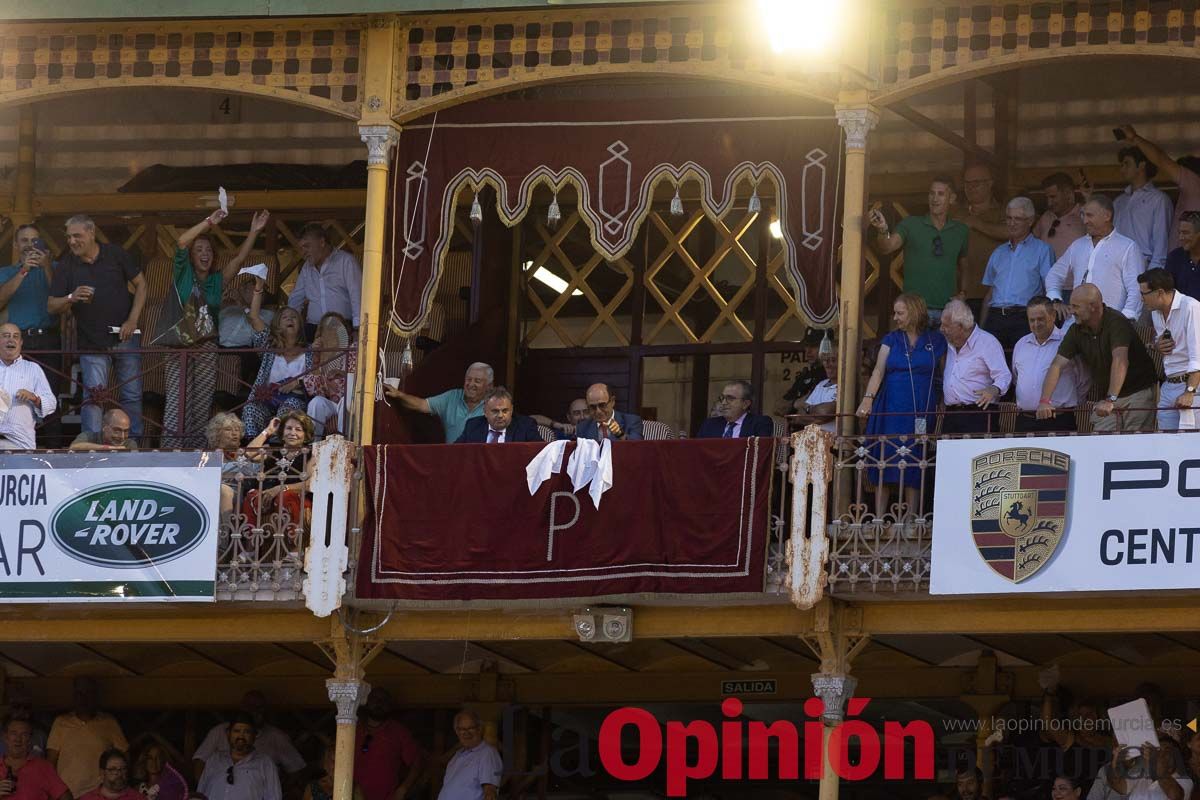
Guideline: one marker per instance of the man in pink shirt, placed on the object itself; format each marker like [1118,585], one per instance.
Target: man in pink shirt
[1185,172]
[1063,221]
[387,759]
[24,776]
[976,373]
[114,766]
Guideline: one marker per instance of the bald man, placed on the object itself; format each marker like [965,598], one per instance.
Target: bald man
[113,435]
[605,422]
[1115,358]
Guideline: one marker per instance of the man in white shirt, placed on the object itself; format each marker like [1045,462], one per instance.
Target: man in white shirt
[330,280]
[976,373]
[820,407]
[269,740]
[25,391]
[1153,775]
[1103,257]
[1031,360]
[1176,319]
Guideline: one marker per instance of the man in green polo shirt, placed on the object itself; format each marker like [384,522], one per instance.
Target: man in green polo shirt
[1116,359]
[935,248]
[453,407]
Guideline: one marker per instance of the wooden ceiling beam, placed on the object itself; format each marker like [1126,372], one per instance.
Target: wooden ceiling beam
[905,111]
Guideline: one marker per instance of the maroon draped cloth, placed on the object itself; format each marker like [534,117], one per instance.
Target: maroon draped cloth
[449,523]
[614,154]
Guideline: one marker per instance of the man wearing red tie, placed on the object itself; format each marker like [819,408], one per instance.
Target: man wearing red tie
[498,423]
[606,422]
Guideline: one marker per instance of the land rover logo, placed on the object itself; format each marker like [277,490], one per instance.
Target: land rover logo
[129,525]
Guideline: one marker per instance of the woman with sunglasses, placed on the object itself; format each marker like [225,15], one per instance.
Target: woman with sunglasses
[901,400]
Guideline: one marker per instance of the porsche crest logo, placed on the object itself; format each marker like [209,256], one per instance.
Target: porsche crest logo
[1019,508]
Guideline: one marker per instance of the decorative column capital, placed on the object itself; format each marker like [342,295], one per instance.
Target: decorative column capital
[834,690]
[379,140]
[857,121]
[347,696]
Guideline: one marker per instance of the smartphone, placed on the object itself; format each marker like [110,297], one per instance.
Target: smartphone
[40,244]
[1118,134]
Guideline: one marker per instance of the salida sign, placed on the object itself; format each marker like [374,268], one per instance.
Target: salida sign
[88,528]
[740,750]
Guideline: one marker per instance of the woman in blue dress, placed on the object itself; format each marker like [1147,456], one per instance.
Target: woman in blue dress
[902,398]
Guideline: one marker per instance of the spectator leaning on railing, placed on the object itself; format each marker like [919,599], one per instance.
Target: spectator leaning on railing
[820,406]
[92,283]
[113,435]
[199,285]
[976,374]
[1115,358]
[606,422]
[1031,360]
[454,406]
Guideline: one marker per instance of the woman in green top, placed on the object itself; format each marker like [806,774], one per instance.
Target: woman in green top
[199,282]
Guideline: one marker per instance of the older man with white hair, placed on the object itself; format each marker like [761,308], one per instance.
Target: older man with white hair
[976,373]
[455,406]
[1101,257]
[1015,273]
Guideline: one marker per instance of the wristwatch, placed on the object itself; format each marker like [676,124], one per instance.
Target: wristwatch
[1190,389]
[1112,398]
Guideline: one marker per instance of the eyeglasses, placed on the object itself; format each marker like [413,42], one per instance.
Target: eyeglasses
[597,406]
[229,775]
[1148,291]
[1053,228]
[937,246]
[729,398]
[367,742]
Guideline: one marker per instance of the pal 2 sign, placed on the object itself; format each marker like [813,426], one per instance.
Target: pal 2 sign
[120,526]
[1066,514]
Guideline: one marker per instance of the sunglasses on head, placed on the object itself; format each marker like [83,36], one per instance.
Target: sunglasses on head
[938,250]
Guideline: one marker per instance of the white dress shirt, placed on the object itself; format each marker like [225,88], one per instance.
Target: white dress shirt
[1184,322]
[336,286]
[1031,361]
[500,436]
[1113,264]
[824,392]
[978,364]
[737,427]
[18,424]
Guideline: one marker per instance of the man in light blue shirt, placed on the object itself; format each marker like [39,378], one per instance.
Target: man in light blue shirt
[1016,272]
[476,770]
[1143,212]
[453,407]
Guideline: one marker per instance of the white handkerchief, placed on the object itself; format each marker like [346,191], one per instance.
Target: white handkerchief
[258,271]
[5,403]
[223,199]
[547,462]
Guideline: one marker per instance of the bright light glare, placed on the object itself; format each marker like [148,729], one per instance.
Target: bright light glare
[776,228]
[550,279]
[801,26]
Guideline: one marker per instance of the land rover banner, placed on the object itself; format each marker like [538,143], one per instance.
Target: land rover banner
[109,527]
[1066,514]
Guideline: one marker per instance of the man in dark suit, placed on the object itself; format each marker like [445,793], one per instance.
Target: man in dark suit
[736,421]
[498,423]
[606,422]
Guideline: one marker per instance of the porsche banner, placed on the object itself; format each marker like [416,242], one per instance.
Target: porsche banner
[1067,513]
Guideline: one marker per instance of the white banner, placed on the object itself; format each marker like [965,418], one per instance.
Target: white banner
[121,526]
[1066,514]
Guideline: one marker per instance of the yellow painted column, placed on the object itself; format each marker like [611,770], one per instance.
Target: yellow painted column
[834,689]
[379,140]
[22,212]
[857,118]
[350,652]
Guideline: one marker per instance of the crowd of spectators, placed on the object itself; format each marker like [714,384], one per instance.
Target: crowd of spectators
[86,755]
[96,294]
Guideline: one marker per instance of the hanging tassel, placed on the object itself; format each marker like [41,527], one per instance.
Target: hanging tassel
[476,211]
[826,347]
[554,215]
[755,204]
[676,204]
[406,358]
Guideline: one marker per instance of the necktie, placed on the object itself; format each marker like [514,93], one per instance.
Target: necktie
[728,431]
[493,436]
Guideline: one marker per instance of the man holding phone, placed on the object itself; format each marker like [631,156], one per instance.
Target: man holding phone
[24,292]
